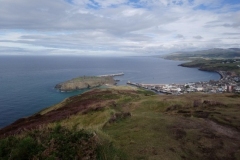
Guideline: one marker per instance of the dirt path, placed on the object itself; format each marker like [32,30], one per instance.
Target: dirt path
[223,130]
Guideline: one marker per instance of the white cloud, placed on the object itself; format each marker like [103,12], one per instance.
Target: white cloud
[120,26]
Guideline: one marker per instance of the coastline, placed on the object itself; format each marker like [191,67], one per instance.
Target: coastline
[34,96]
[226,83]
[183,62]
[222,76]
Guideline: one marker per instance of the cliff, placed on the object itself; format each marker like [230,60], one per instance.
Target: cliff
[128,123]
[84,83]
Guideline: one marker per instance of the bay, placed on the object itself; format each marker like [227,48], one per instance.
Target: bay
[27,82]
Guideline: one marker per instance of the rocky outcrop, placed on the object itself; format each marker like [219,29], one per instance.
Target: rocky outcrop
[84,83]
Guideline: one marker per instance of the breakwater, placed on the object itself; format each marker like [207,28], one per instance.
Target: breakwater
[158,88]
[112,75]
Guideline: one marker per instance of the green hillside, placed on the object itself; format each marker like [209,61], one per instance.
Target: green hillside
[128,123]
[229,65]
[210,60]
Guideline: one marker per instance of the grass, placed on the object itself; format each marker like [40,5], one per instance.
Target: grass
[93,120]
[56,106]
[151,133]
[157,127]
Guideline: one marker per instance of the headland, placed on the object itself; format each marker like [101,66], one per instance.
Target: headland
[88,82]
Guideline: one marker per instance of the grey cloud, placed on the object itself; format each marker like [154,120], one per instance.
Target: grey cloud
[230,20]
[23,51]
[59,15]
[233,25]
[180,36]
[198,37]
[27,14]
[58,25]
[231,34]
[83,40]
[227,25]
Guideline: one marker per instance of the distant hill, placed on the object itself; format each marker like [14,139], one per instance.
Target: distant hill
[216,53]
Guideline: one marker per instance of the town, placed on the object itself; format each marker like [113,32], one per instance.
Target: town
[227,83]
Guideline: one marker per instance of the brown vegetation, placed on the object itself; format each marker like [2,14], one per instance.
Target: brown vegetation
[137,124]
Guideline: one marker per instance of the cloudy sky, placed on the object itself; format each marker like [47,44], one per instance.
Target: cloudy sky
[117,27]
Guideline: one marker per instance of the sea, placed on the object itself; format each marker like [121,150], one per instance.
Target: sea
[27,82]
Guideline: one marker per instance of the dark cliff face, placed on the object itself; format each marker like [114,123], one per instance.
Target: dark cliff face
[197,65]
[58,86]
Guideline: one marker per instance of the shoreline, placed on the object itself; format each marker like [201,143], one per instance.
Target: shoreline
[54,93]
[222,76]
[211,86]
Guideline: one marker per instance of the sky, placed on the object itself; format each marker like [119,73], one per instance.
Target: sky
[117,27]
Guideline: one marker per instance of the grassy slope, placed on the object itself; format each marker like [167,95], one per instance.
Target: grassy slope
[191,126]
[152,133]
[213,65]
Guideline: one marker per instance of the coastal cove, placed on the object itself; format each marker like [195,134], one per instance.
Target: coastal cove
[27,82]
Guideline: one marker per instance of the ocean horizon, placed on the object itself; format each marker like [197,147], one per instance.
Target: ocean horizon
[27,82]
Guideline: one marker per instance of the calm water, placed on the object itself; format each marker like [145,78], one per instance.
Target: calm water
[27,83]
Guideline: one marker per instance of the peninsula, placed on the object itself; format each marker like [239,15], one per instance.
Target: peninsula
[87,82]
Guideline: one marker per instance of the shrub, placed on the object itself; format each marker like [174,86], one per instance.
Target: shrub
[56,143]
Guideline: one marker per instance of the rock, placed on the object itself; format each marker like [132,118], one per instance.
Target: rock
[119,116]
[197,103]
[173,107]
[212,103]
